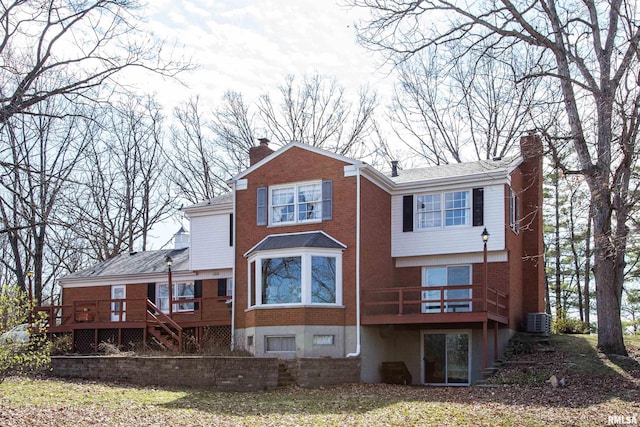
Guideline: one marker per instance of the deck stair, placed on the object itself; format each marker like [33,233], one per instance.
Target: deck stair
[163,329]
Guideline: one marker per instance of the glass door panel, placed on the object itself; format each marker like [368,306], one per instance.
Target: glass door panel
[435,360]
[118,309]
[446,358]
[457,359]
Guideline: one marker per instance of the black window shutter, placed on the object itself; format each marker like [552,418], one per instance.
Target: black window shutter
[222,287]
[151,292]
[478,207]
[407,213]
[230,229]
[197,293]
[262,206]
[327,199]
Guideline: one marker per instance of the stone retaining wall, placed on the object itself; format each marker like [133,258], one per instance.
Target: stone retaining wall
[220,373]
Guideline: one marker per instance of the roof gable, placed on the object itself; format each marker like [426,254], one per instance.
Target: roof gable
[302,146]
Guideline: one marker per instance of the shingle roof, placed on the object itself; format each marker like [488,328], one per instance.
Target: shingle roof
[134,263]
[315,239]
[453,170]
[218,200]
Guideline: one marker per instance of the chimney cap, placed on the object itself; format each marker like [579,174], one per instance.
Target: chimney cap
[263,141]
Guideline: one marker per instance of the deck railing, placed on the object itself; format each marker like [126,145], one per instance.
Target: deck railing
[434,299]
[127,310]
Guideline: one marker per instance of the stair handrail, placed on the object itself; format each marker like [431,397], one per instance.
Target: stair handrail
[161,319]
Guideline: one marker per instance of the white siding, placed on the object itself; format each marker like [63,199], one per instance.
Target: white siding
[450,240]
[209,247]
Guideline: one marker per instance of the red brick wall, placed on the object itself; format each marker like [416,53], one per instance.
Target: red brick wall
[376,264]
[525,248]
[531,231]
[292,166]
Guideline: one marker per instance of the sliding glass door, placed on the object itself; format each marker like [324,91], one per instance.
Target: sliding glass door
[446,357]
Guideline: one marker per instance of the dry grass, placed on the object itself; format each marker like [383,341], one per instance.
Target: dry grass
[597,388]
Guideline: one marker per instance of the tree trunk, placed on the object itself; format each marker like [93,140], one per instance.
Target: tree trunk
[608,273]
[587,270]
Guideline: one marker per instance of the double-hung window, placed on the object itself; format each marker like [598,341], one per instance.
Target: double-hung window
[296,203]
[450,209]
[181,291]
[302,277]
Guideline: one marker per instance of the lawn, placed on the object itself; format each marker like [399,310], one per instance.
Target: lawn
[597,388]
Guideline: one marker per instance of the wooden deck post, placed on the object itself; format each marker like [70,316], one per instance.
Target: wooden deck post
[485,349]
[495,340]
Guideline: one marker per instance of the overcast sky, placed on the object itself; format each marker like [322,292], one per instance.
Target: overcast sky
[250,46]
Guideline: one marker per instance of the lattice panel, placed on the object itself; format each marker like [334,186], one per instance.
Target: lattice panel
[216,337]
[84,341]
[108,335]
[132,338]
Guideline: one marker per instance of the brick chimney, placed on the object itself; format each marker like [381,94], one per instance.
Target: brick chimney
[260,152]
[531,147]
[531,231]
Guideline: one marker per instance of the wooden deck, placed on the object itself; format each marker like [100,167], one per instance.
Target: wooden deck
[119,317]
[434,304]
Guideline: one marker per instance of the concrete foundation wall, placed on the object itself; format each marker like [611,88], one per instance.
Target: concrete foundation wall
[253,339]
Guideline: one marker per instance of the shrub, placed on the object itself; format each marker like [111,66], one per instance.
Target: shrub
[569,326]
[25,357]
[61,345]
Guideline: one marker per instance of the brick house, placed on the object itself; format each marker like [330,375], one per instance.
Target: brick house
[325,256]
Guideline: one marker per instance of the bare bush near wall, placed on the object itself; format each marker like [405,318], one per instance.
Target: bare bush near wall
[590,50]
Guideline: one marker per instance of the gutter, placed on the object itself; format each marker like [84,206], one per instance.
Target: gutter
[358,326]
[233,271]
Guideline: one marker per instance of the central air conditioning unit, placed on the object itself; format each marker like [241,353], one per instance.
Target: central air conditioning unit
[539,323]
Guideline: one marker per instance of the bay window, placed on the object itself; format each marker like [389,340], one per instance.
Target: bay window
[296,277]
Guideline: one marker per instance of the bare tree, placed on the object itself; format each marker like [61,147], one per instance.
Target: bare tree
[448,108]
[209,148]
[122,189]
[206,152]
[591,50]
[318,112]
[40,156]
[67,49]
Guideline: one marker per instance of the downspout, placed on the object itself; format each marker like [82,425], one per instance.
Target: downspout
[233,272]
[357,352]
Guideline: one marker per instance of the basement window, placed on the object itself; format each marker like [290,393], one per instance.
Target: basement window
[280,343]
[324,339]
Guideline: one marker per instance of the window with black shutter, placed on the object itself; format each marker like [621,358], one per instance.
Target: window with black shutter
[197,293]
[478,207]
[262,206]
[222,287]
[407,213]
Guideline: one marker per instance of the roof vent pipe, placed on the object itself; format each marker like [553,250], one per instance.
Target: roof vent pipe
[394,168]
